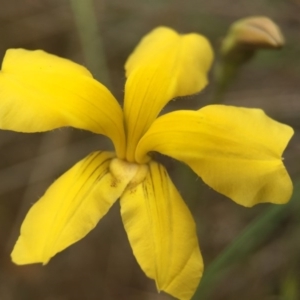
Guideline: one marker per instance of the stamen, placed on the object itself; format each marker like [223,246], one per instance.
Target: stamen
[123,170]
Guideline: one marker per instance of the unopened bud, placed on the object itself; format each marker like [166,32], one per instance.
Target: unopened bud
[244,38]
[250,34]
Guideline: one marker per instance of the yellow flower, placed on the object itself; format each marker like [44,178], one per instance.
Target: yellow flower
[237,151]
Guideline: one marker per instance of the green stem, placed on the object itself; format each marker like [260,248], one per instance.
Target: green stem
[92,46]
[226,70]
[244,244]
[224,74]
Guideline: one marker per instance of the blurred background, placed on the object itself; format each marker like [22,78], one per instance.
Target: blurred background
[265,264]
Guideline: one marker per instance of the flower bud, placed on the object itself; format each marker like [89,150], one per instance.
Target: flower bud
[250,34]
[244,38]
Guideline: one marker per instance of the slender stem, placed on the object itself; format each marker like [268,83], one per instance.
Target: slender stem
[224,74]
[86,21]
[226,70]
[244,244]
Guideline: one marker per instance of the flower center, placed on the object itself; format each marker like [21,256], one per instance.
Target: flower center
[123,170]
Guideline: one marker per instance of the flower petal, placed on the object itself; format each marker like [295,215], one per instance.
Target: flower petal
[40,92]
[162,233]
[236,151]
[164,65]
[70,208]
